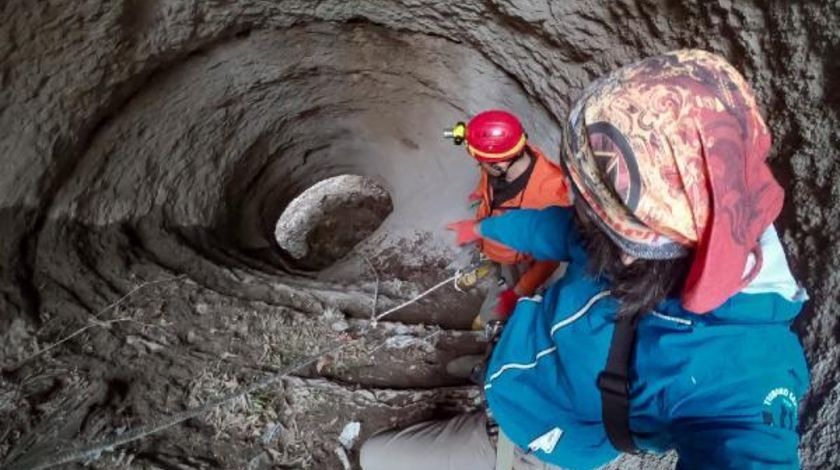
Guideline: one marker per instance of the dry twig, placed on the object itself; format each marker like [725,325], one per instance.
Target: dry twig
[84,452]
[94,321]
[35,462]
[375,289]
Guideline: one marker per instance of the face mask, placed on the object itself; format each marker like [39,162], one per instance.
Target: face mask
[502,171]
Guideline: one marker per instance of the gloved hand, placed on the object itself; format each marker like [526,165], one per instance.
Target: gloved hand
[475,196]
[465,231]
[506,302]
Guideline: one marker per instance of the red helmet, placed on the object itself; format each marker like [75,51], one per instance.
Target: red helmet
[494,136]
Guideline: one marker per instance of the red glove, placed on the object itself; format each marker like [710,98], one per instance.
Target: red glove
[464,231]
[475,195]
[506,302]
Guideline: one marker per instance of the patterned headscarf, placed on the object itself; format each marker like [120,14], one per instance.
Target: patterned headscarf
[669,155]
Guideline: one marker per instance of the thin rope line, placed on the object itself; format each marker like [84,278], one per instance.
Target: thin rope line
[109,444]
[93,321]
[131,435]
[409,302]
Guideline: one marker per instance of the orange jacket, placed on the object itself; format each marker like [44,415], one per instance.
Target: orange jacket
[546,187]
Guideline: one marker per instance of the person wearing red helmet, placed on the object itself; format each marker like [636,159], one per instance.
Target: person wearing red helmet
[514,175]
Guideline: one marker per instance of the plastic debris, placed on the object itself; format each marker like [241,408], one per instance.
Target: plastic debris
[349,434]
[342,457]
[272,430]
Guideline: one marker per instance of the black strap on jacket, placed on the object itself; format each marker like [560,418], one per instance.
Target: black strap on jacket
[615,387]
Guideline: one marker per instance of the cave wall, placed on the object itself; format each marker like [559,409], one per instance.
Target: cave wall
[156,138]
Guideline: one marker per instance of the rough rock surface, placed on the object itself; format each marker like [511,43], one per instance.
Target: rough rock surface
[146,140]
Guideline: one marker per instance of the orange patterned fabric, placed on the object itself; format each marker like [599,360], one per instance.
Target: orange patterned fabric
[669,154]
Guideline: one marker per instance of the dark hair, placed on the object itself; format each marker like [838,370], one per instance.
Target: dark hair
[638,286]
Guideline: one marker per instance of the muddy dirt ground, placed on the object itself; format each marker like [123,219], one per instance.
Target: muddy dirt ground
[149,147]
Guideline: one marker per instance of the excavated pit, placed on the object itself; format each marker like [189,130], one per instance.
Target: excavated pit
[149,150]
[327,220]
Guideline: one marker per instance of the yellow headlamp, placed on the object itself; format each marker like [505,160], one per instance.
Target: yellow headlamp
[458,133]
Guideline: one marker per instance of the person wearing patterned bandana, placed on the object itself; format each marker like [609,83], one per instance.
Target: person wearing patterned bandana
[671,328]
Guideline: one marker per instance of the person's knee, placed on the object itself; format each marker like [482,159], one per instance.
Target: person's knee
[373,454]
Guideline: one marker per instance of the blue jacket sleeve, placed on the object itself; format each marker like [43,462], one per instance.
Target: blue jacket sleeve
[543,234]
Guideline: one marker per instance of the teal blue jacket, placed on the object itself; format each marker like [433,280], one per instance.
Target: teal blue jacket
[722,389]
